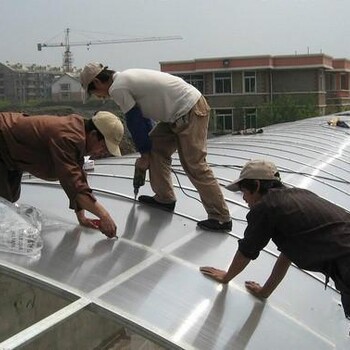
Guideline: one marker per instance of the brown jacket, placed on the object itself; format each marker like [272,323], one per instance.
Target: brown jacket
[48,147]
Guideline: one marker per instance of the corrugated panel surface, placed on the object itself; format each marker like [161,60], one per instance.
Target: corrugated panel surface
[149,277]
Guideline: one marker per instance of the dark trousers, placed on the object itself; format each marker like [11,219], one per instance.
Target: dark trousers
[10,183]
[340,274]
[345,300]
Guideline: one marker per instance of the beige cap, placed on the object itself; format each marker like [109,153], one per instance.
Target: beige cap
[255,170]
[111,128]
[89,73]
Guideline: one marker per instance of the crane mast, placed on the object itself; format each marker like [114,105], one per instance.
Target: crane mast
[68,56]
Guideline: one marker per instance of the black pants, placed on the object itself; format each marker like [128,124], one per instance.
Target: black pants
[340,274]
[345,300]
[10,181]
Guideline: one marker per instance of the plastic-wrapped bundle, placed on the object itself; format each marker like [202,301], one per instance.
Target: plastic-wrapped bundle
[20,228]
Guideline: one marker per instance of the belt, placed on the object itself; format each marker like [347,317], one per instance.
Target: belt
[184,119]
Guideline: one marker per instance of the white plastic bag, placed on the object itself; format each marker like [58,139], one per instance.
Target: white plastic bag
[20,229]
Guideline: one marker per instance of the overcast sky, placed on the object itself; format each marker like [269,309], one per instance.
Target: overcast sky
[209,28]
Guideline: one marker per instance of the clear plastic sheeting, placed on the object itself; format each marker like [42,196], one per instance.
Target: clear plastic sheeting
[20,228]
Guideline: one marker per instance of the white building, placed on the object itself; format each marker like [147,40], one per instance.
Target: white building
[66,88]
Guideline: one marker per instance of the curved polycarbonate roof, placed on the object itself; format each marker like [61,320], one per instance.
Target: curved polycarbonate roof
[149,278]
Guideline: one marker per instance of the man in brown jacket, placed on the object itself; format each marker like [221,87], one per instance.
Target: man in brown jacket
[53,148]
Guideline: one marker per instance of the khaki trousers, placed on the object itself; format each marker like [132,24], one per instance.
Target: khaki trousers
[188,135]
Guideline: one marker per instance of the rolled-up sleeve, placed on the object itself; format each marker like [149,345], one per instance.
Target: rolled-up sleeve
[256,235]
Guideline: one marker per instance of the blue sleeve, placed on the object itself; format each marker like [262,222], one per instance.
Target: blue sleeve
[139,127]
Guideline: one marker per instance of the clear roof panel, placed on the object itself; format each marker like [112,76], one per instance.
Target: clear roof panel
[148,280]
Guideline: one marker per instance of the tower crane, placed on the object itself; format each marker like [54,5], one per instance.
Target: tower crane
[68,56]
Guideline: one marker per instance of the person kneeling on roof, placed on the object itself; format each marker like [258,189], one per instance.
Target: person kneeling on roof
[308,230]
[53,148]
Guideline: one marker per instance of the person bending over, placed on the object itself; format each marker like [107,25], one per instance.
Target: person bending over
[308,230]
[53,148]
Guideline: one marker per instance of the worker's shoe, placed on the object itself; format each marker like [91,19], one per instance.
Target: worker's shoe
[151,201]
[215,225]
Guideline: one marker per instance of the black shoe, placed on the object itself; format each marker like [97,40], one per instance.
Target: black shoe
[151,201]
[215,225]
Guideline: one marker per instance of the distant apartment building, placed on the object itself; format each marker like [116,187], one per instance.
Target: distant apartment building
[66,88]
[21,84]
[236,87]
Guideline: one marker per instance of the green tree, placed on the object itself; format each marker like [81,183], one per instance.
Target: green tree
[286,109]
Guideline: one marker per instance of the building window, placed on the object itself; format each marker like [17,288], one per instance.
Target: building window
[65,87]
[196,80]
[249,82]
[224,120]
[223,83]
[330,82]
[344,82]
[250,118]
